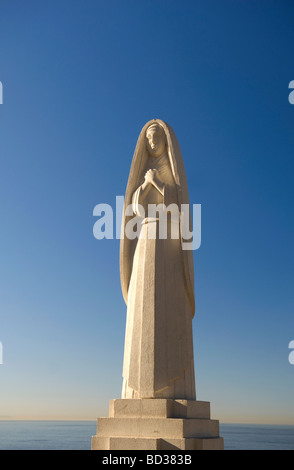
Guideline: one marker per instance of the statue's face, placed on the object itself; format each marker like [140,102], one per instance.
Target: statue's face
[156,140]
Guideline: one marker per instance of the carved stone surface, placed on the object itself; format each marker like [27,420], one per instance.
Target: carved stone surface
[157,276]
[158,409]
[157,424]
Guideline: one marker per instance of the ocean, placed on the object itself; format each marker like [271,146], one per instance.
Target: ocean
[76,435]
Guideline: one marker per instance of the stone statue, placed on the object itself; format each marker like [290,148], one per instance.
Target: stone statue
[157,275]
[158,409]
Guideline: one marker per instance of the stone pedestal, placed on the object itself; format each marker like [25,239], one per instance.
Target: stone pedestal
[157,424]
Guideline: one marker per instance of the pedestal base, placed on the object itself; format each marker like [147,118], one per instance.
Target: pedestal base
[157,424]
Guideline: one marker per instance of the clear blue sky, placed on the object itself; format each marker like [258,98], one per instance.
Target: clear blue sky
[80,79]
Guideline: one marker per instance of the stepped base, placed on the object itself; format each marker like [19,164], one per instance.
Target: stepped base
[157,424]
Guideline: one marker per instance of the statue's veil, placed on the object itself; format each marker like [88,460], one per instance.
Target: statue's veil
[136,178]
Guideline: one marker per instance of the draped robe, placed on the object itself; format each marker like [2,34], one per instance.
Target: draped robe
[158,353]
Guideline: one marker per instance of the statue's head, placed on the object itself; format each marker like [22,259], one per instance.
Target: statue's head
[155,140]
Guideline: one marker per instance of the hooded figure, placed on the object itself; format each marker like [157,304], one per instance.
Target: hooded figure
[157,274]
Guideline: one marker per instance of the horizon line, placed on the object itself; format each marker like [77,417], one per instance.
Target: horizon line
[95,419]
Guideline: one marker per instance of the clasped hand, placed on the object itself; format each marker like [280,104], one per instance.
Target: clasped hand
[150,176]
